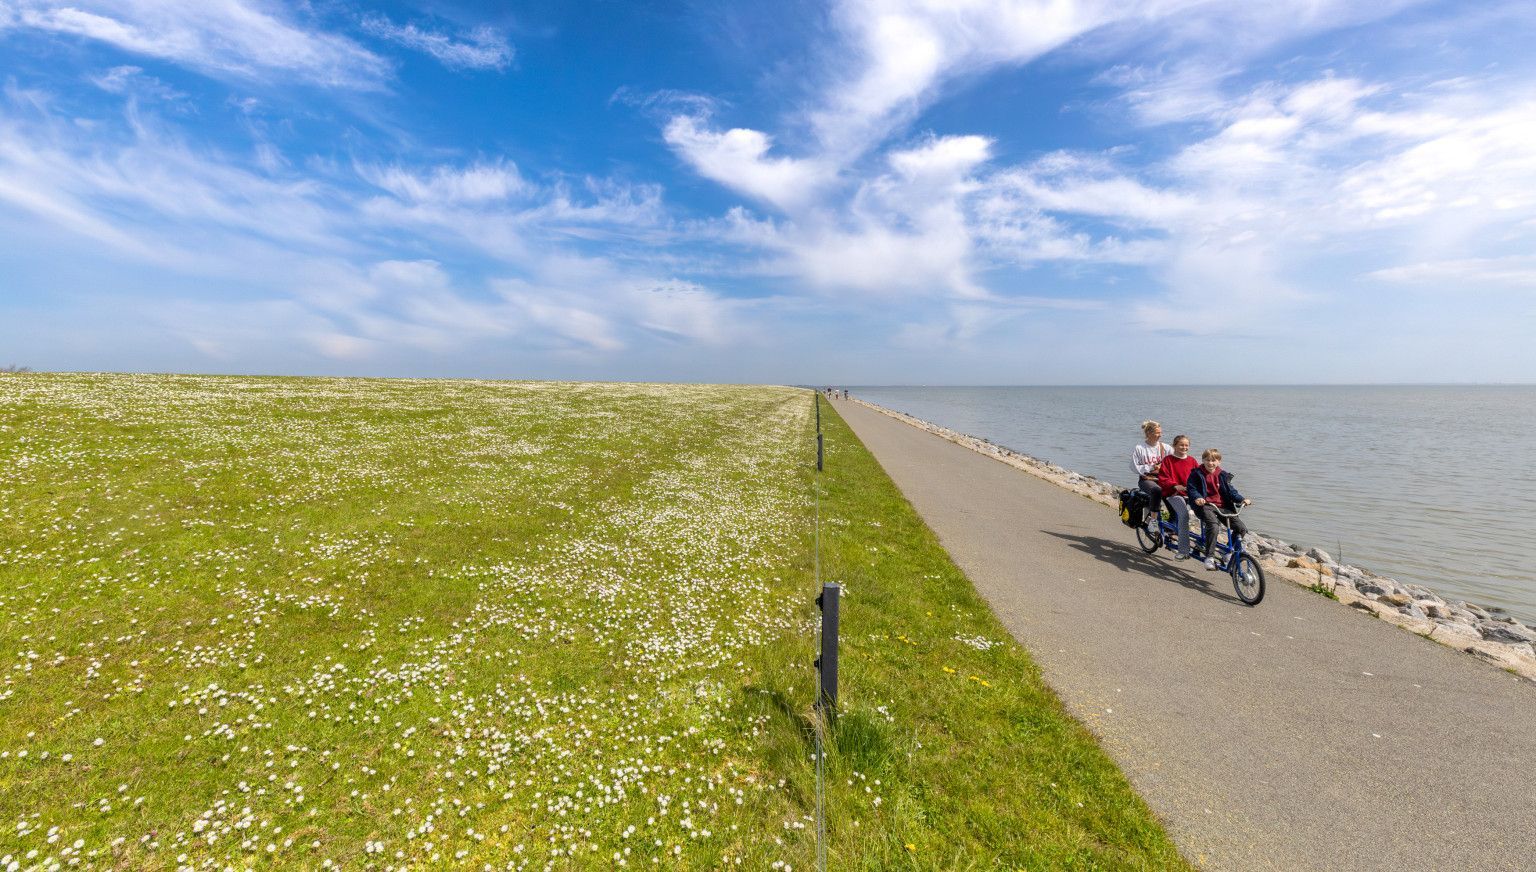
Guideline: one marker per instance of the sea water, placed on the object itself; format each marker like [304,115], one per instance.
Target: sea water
[1433,485]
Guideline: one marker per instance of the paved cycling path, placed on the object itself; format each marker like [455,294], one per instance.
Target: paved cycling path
[1300,734]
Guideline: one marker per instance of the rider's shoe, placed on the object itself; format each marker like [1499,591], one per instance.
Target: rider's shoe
[1181,557]
[1210,563]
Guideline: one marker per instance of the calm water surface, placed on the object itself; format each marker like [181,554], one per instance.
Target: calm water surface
[1431,485]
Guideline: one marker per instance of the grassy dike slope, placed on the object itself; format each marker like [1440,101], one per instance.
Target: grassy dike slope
[320,623]
[979,764]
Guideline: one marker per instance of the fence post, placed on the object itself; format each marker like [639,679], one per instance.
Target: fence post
[819,453]
[826,664]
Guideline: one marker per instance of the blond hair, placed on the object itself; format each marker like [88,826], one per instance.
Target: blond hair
[1149,426]
[1178,437]
[1210,454]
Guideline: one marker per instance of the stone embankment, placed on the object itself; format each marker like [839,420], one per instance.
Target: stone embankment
[1482,632]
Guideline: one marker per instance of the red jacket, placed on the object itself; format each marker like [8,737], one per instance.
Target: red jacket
[1175,471]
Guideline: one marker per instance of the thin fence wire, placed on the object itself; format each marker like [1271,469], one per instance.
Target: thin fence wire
[818,719]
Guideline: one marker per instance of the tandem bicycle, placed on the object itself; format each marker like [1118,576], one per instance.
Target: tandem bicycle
[1230,556]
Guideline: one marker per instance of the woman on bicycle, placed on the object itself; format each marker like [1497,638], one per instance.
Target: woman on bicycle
[1171,478]
[1146,457]
[1211,488]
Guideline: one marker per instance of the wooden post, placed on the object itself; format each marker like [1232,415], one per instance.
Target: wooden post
[826,664]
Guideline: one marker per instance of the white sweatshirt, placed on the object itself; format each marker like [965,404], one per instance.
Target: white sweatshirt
[1146,458]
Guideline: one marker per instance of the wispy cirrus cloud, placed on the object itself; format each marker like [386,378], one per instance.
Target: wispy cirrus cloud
[1295,174]
[244,38]
[1513,271]
[149,197]
[128,79]
[481,48]
[477,183]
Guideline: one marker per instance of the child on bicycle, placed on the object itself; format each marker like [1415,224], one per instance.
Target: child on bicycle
[1146,457]
[1210,488]
[1172,476]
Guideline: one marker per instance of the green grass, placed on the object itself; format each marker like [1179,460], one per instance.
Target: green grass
[373,624]
[978,764]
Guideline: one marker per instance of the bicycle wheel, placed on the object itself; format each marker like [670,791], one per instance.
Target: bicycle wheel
[1148,540]
[1248,580]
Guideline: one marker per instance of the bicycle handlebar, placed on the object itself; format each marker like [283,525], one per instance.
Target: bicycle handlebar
[1225,514]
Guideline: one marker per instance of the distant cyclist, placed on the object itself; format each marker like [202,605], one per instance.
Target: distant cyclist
[1210,488]
[1146,458]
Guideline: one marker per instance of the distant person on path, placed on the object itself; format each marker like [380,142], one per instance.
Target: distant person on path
[1172,476]
[1146,458]
[1211,488]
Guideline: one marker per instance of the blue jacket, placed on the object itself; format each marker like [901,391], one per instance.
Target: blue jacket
[1230,498]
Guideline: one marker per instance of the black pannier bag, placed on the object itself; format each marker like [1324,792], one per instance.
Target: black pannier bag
[1133,508]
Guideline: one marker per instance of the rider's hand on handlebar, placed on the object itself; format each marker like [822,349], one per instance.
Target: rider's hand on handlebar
[1247,502]
[1200,501]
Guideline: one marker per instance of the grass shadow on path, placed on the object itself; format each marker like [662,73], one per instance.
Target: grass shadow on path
[1130,558]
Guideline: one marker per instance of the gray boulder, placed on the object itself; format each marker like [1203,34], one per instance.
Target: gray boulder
[1474,608]
[1320,556]
[1457,627]
[1433,609]
[1513,634]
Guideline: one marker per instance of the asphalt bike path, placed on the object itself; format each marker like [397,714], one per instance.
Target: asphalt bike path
[1297,734]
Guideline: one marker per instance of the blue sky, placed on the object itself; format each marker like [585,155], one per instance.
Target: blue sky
[972,191]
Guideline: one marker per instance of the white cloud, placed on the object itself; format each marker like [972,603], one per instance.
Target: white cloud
[493,209]
[1293,175]
[738,158]
[1279,177]
[131,80]
[480,49]
[891,58]
[686,310]
[888,61]
[1078,184]
[903,232]
[1514,271]
[901,51]
[924,224]
[219,37]
[1482,169]
[562,315]
[477,183]
[1183,54]
[345,295]
[183,206]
